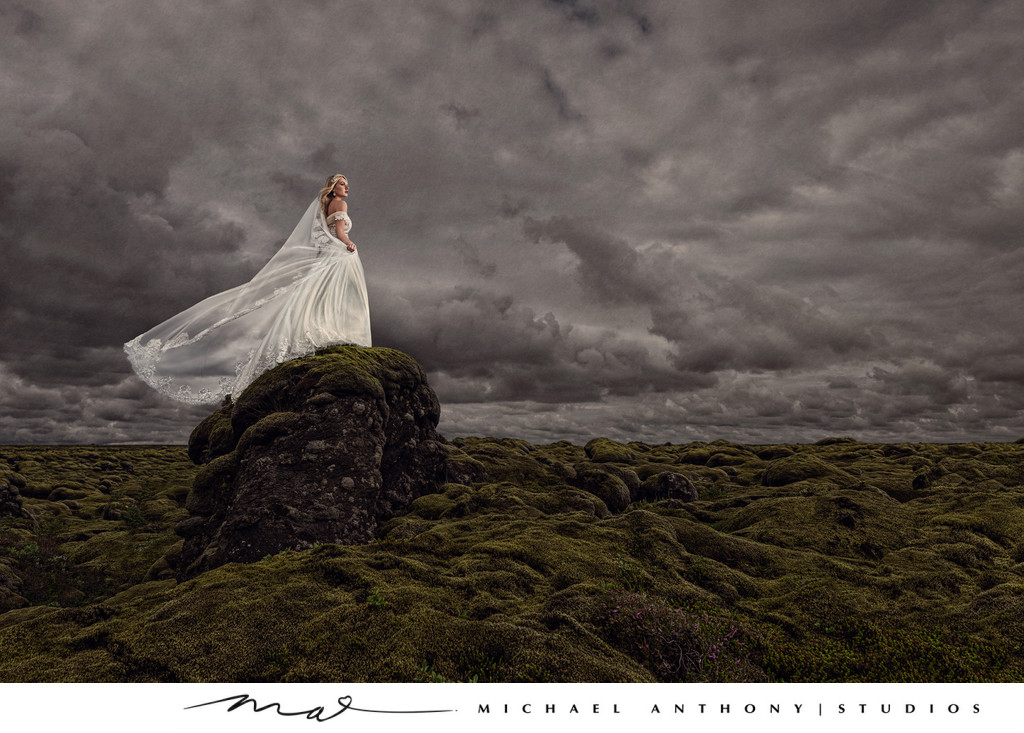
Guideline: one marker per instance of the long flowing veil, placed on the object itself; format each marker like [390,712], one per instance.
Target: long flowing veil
[219,345]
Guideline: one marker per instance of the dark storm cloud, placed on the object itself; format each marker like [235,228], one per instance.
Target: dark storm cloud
[93,135]
[653,220]
[715,322]
[938,385]
[471,257]
[462,115]
[1000,368]
[483,346]
[609,268]
[561,99]
[122,411]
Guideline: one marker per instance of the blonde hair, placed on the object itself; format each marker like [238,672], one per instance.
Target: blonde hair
[327,192]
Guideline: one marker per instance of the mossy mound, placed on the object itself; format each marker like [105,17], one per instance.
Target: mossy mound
[10,496]
[602,450]
[807,563]
[495,584]
[321,449]
[789,470]
[71,552]
[338,371]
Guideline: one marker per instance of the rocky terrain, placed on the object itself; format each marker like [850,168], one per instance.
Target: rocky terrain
[320,450]
[414,558]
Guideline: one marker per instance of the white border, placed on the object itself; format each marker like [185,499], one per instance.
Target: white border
[154,708]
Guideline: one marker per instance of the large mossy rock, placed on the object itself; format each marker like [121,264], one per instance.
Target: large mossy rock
[605,485]
[603,450]
[322,449]
[667,485]
[10,498]
[790,469]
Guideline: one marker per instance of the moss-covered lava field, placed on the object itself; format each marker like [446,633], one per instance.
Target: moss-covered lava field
[837,561]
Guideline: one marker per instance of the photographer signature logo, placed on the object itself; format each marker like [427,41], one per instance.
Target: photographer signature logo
[317,714]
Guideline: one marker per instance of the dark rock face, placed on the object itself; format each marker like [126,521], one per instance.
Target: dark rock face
[603,484]
[10,498]
[667,485]
[318,450]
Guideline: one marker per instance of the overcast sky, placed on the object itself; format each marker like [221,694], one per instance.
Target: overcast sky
[657,221]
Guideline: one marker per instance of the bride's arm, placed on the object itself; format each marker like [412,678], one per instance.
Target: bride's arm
[335,206]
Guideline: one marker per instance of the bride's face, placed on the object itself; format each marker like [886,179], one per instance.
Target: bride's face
[341,188]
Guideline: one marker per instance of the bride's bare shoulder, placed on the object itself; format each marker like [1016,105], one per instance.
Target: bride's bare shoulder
[337,204]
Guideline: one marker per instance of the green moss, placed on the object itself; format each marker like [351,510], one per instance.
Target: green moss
[790,469]
[732,458]
[461,458]
[432,506]
[602,450]
[212,437]
[65,492]
[337,371]
[827,574]
[696,455]
[210,483]
[771,452]
[504,460]
[14,479]
[604,484]
[266,429]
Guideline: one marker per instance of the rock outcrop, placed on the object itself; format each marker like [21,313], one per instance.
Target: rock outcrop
[667,485]
[318,450]
[10,498]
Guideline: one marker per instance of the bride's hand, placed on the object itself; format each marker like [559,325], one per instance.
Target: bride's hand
[351,246]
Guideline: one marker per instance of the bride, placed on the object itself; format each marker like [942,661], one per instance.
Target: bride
[311,294]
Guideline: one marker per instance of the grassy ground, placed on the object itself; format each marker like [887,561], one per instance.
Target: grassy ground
[838,561]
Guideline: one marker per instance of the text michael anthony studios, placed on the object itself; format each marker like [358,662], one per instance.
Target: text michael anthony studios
[729,708]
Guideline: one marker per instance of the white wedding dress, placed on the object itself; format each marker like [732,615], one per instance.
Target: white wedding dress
[310,295]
